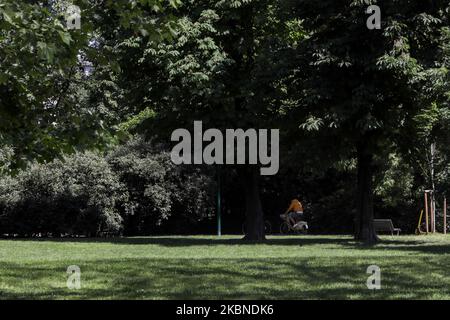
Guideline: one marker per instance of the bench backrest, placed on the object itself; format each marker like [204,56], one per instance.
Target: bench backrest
[383,225]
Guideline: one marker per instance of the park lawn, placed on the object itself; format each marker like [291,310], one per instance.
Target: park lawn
[206,267]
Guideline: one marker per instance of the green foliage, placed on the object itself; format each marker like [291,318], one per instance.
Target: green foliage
[159,190]
[46,84]
[134,122]
[384,71]
[78,195]
[396,185]
[213,69]
[308,67]
[6,156]
[134,190]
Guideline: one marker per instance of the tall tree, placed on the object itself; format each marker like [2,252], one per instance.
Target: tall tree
[363,87]
[220,69]
[46,75]
[38,58]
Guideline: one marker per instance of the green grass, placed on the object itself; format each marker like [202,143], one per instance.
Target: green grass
[312,267]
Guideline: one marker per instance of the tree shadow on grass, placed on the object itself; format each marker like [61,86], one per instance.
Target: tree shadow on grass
[387,244]
[316,278]
[408,245]
[186,241]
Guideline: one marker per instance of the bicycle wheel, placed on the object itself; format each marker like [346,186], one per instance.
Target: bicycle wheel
[284,228]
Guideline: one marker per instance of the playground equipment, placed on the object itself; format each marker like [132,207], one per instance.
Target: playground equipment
[419,224]
[430,214]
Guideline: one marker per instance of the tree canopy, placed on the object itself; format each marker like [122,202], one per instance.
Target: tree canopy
[361,108]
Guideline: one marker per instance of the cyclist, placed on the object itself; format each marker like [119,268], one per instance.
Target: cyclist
[294,212]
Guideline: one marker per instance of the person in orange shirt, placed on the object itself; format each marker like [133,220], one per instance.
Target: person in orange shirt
[294,212]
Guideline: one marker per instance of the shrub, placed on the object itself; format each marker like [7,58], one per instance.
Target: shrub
[158,189]
[135,190]
[78,195]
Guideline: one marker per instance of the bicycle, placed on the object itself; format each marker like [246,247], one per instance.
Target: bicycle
[301,227]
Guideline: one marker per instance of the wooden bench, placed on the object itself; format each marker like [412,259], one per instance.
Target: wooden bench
[385,225]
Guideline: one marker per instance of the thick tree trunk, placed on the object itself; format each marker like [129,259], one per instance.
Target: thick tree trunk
[253,208]
[364,230]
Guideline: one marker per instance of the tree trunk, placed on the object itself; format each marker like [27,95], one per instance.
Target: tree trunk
[364,230]
[253,208]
